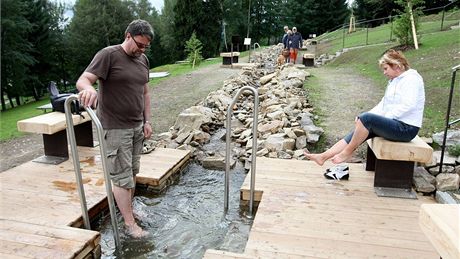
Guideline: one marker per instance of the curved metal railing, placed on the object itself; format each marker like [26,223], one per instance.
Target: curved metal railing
[76,163]
[254,147]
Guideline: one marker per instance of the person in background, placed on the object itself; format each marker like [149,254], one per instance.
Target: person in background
[397,117]
[285,35]
[287,46]
[295,44]
[124,110]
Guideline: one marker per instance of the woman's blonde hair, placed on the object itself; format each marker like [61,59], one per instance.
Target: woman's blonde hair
[394,58]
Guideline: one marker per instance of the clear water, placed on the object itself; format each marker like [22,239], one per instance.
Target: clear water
[186,219]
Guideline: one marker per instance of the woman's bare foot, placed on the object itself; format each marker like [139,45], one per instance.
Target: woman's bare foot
[317,158]
[341,157]
[136,232]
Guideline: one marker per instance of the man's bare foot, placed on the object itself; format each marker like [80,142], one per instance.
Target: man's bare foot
[317,158]
[136,232]
[341,157]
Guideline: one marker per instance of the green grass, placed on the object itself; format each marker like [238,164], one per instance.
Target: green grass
[9,118]
[438,53]
[338,40]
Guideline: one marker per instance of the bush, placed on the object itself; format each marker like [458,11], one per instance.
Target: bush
[402,25]
[193,49]
[454,150]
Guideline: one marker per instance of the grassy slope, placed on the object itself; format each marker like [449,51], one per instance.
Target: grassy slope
[438,52]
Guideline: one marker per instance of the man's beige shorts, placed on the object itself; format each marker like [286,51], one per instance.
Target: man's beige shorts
[124,148]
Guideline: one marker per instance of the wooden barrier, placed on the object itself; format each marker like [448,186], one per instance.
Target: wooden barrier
[229,58]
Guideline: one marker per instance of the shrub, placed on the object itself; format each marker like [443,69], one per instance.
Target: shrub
[193,49]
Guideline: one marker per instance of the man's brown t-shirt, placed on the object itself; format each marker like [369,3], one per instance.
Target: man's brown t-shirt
[121,87]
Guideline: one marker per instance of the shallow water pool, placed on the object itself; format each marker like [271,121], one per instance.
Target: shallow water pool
[186,219]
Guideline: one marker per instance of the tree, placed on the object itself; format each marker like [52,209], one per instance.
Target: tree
[195,16]
[15,51]
[311,16]
[96,24]
[44,37]
[374,9]
[193,49]
[402,25]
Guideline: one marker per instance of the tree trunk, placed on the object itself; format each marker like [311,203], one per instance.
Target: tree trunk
[3,102]
[10,99]
[18,100]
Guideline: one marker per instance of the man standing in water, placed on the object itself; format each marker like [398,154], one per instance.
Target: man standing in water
[124,110]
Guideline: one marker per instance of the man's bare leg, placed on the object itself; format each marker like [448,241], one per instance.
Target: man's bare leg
[359,136]
[331,152]
[124,202]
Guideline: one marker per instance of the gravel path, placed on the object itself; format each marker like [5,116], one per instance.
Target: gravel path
[343,94]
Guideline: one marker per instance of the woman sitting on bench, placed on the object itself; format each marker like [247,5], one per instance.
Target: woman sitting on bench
[397,117]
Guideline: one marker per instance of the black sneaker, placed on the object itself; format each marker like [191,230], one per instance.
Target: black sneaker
[335,173]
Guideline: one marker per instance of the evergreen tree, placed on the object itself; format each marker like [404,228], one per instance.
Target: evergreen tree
[193,49]
[15,49]
[374,9]
[96,24]
[44,37]
[167,32]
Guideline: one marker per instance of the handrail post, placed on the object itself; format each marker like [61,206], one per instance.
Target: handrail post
[254,147]
[76,164]
[449,106]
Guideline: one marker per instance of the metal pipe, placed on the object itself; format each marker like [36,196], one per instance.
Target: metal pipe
[76,162]
[254,147]
[449,106]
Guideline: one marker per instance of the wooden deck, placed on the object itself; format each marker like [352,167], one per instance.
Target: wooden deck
[303,215]
[40,207]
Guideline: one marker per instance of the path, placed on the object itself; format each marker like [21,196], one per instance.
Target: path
[341,94]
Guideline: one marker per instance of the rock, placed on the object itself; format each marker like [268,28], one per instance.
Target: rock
[272,126]
[423,181]
[290,133]
[299,132]
[447,182]
[277,115]
[267,78]
[448,159]
[289,144]
[284,155]
[216,163]
[193,117]
[275,142]
[446,198]
[298,153]
[262,152]
[453,138]
[301,142]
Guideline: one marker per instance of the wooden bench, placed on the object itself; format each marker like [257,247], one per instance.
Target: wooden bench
[393,163]
[229,58]
[308,60]
[440,223]
[53,128]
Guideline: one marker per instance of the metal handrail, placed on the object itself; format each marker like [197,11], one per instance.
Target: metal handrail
[448,123]
[76,163]
[254,147]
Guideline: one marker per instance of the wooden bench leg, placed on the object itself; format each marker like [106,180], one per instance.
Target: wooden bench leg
[56,145]
[370,160]
[394,174]
[84,134]
[394,179]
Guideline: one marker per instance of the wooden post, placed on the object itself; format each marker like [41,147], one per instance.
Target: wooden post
[414,32]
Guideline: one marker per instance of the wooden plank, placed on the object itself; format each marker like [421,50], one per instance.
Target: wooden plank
[217,254]
[441,224]
[416,150]
[326,248]
[49,123]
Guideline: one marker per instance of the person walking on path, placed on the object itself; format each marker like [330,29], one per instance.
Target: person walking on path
[295,44]
[287,44]
[123,101]
[397,117]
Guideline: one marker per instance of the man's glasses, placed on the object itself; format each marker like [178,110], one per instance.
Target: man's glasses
[140,45]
